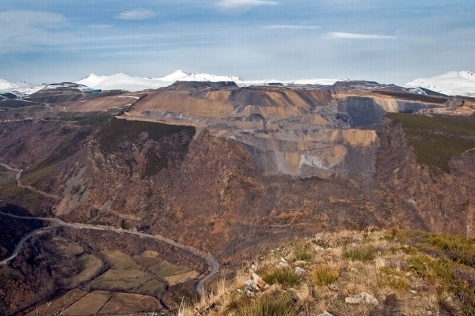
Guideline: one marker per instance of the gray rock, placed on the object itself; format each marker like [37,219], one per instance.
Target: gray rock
[299,271]
[362,298]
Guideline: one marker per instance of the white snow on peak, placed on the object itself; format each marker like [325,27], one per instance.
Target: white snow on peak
[180,75]
[5,84]
[8,85]
[451,83]
[124,82]
[92,80]
[21,88]
[121,81]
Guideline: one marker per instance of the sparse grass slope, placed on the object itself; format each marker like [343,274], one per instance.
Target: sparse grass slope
[407,272]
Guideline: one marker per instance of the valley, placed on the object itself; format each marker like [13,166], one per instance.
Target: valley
[119,182]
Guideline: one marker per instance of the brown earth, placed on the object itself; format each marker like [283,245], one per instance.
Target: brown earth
[231,171]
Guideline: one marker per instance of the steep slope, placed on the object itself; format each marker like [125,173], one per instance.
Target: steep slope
[228,170]
[371,272]
[236,170]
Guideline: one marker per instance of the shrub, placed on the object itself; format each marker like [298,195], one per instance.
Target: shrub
[324,275]
[447,275]
[282,305]
[393,279]
[284,276]
[362,253]
[302,251]
[457,249]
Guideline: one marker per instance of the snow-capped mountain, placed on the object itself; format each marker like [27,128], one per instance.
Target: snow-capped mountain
[21,88]
[124,82]
[451,83]
[8,85]
[180,75]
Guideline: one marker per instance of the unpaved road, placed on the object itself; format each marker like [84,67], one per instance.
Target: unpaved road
[56,222]
[29,187]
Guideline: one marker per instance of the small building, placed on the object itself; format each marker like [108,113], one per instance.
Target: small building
[91,91]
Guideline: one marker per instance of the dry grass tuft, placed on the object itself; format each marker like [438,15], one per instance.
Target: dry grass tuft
[324,275]
[409,273]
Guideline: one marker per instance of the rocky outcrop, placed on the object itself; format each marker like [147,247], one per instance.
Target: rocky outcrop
[422,197]
[245,166]
[291,131]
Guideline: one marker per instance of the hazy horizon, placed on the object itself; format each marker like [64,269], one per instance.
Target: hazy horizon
[382,41]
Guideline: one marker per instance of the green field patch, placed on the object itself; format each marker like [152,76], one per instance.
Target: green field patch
[181,277]
[120,280]
[152,287]
[120,261]
[161,269]
[124,274]
[436,139]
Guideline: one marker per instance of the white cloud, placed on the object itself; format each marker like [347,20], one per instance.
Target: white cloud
[137,14]
[243,4]
[24,29]
[26,18]
[358,36]
[291,27]
[99,26]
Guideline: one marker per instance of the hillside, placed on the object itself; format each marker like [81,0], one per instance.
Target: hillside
[229,170]
[371,272]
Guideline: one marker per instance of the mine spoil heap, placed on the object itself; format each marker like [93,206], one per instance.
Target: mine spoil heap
[232,170]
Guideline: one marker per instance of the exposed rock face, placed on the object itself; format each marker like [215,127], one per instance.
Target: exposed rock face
[234,167]
[418,196]
[291,131]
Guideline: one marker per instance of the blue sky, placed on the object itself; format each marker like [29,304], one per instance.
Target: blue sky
[383,40]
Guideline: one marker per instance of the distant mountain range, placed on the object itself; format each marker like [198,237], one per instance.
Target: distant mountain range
[125,82]
[451,83]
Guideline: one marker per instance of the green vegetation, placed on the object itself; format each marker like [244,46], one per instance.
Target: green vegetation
[360,253]
[284,276]
[302,251]
[118,131]
[173,140]
[416,97]
[160,269]
[65,149]
[23,197]
[270,306]
[454,248]
[395,280]
[436,139]
[94,119]
[445,261]
[324,275]
[407,272]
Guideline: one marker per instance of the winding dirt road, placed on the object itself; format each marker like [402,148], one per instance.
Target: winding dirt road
[29,187]
[56,222]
